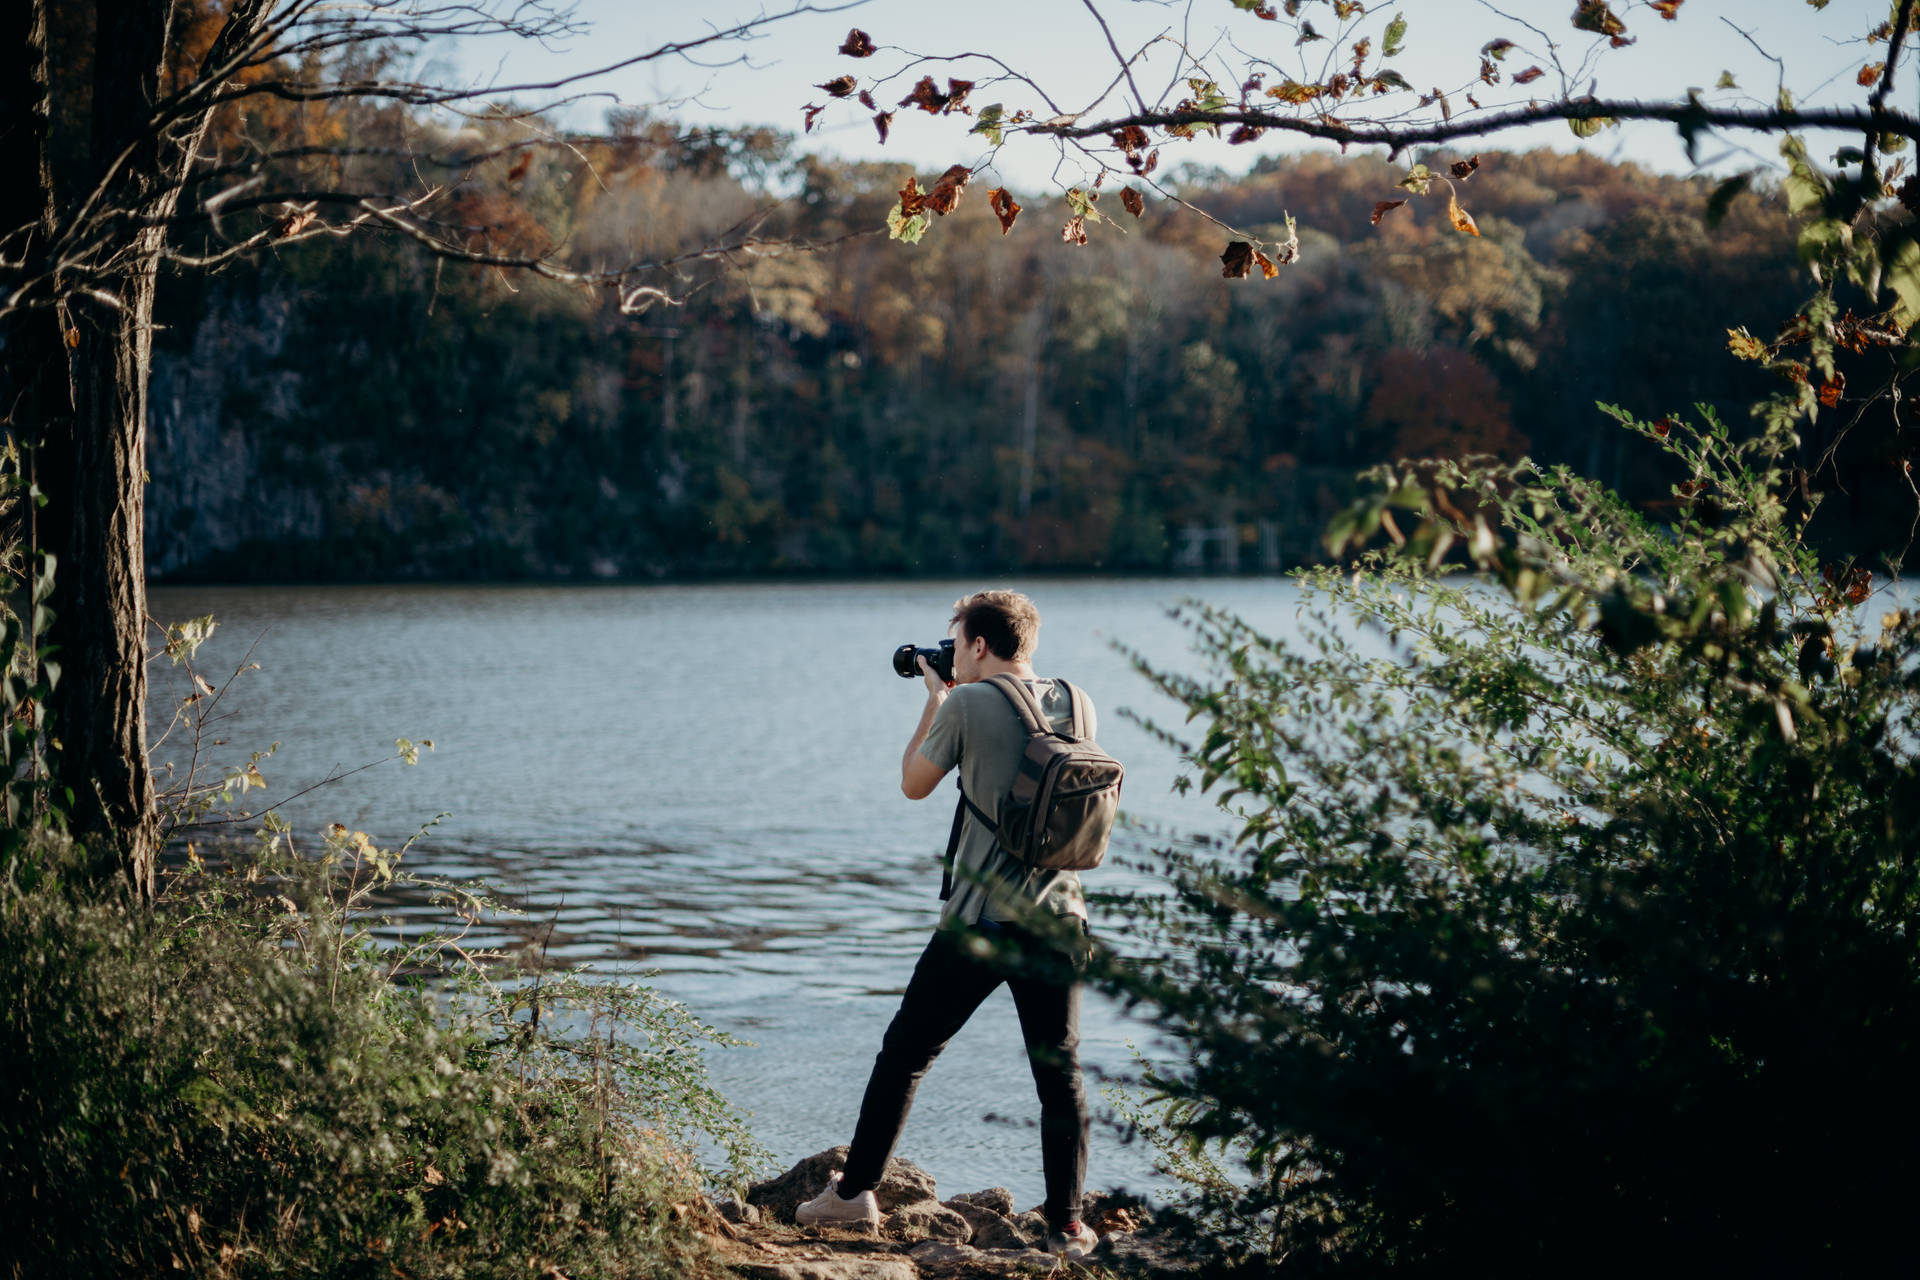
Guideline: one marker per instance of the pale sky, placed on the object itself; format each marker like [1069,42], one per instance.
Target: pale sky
[1060,45]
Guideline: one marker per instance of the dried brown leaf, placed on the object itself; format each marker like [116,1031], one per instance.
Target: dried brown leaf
[1002,203]
[1528,76]
[859,44]
[1597,17]
[926,95]
[912,199]
[1292,91]
[1461,219]
[1237,261]
[1383,208]
[1133,202]
[882,122]
[947,190]
[294,221]
[839,87]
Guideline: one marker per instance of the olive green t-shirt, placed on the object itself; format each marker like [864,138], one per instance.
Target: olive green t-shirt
[978,729]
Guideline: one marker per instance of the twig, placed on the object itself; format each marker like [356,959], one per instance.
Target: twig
[1126,66]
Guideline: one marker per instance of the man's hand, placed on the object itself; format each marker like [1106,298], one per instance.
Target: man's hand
[919,775]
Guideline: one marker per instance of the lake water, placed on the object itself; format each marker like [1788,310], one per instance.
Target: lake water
[704,781]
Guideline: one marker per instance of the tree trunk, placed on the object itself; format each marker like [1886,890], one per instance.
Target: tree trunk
[93,464]
[85,408]
[95,471]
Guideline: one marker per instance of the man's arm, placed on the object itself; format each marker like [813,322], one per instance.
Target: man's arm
[919,775]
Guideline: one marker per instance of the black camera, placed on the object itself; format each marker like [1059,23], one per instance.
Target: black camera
[940,659]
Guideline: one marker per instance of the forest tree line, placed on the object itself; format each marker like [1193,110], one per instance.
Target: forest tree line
[356,410]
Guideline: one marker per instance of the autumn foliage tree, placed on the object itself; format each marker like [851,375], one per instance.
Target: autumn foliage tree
[148,132]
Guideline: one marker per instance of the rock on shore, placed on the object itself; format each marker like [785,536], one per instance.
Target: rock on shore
[921,1237]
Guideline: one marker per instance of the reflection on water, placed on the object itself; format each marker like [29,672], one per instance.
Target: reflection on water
[703,781]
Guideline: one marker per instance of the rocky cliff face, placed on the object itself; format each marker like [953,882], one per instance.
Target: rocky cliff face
[213,407]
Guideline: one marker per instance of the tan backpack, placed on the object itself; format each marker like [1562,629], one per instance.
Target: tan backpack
[1060,811]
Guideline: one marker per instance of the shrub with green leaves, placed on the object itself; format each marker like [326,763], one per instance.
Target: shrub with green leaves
[246,1081]
[1572,920]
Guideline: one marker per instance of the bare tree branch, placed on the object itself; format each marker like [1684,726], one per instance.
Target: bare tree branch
[1690,116]
[1903,18]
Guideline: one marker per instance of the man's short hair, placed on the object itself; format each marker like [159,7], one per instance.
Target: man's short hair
[1006,620]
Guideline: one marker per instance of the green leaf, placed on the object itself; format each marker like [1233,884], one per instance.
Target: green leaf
[1733,600]
[907,230]
[185,638]
[1390,44]
[1080,204]
[991,123]
[1725,81]
[1418,180]
[1393,78]
[1588,127]
[1903,277]
[1806,189]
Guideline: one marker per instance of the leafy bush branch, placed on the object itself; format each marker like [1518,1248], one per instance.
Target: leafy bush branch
[1570,919]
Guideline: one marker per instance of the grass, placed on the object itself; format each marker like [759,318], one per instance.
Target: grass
[245,1080]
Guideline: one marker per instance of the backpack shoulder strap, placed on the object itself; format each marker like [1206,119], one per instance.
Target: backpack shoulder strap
[953,846]
[1025,705]
[960,811]
[1078,701]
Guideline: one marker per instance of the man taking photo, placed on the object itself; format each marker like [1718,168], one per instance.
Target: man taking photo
[1003,921]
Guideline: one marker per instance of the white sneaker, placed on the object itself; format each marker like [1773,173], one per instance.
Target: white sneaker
[829,1208]
[1076,1242]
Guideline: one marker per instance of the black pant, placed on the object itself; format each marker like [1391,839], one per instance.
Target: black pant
[955,973]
